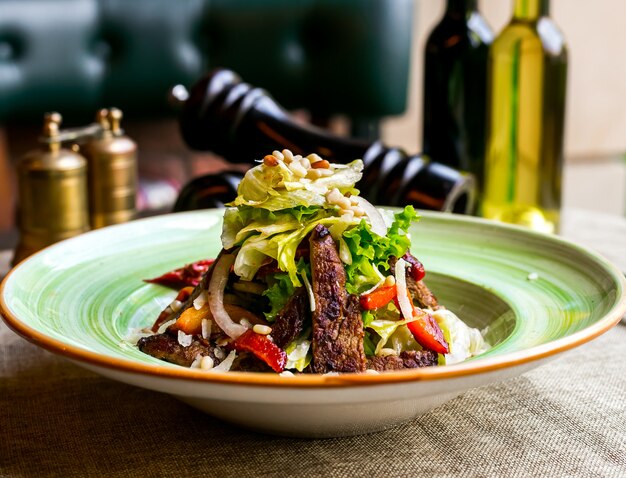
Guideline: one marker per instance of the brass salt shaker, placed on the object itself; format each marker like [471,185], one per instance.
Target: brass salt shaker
[52,197]
[112,171]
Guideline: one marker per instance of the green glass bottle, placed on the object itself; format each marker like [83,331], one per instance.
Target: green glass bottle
[455,76]
[527,79]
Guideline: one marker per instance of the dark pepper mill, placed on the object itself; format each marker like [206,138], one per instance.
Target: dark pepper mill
[242,123]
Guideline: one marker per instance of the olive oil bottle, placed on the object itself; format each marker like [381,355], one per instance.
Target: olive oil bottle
[526,81]
[455,83]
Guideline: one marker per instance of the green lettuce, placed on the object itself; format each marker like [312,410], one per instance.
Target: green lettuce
[464,341]
[282,288]
[299,352]
[371,252]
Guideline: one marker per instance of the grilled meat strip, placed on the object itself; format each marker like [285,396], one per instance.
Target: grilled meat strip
[422,296]
[337,343]
[166,347]
[289,321]
[406,360]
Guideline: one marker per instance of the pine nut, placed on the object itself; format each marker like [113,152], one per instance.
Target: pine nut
[206,363]
[326,172]
[262,329]
[321,164]
[313,174]
[298,169]
[288,155]
[314,158]
[270,161]
[278,155]
[390,280]
[358,211]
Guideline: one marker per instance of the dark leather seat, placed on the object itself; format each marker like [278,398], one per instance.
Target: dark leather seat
[335,57]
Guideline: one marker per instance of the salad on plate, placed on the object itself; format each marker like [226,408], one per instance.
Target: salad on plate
[311,278]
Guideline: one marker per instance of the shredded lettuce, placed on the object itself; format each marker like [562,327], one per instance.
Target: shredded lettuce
[464,341]
[299,352]
[371,252]
[385,329]
[282,289]
[278,294]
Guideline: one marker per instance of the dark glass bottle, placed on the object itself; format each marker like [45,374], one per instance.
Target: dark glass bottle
[455,72]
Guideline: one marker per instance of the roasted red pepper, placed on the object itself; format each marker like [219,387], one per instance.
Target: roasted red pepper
[427,332]
[189,275]
[425,329]
[416,268]
[378,298]
[263,348]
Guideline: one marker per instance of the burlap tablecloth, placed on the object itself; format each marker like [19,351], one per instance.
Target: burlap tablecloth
[567,418]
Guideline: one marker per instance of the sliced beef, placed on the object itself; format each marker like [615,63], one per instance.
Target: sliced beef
[337,343]
[406,360]
[422,296]
[166,347]
[289,321]
[247,362]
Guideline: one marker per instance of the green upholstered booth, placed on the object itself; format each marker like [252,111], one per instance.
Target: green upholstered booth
[346,57]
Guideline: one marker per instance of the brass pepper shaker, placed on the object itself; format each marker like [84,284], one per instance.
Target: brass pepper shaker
[112,171]
[52,198]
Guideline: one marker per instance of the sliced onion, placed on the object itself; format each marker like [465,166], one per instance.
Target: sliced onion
[219,279]
[403,293]
[376,219]
[380,282]
[225,364]
[199,301]
[309,289]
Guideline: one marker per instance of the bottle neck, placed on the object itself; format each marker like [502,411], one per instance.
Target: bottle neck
[531,9]
[461,7]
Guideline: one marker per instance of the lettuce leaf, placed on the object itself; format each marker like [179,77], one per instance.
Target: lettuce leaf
[299,352]
[371,252]
[464,341]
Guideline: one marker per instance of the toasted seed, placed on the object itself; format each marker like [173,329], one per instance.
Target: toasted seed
[270,160]
[288,155]
[206,363]
[313,174]
[298,169]
[390,280]
[262,329]
[321,164]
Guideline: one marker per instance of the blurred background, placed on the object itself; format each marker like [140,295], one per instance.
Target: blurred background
[355,67]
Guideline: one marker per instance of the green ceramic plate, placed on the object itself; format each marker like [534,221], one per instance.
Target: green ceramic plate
[533,294]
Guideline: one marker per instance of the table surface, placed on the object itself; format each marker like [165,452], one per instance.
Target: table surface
[566,418]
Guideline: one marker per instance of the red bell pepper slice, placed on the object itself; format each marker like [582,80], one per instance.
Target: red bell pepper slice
[263,348]
[427,332]
[189,275]
[378,298]
[416,268]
